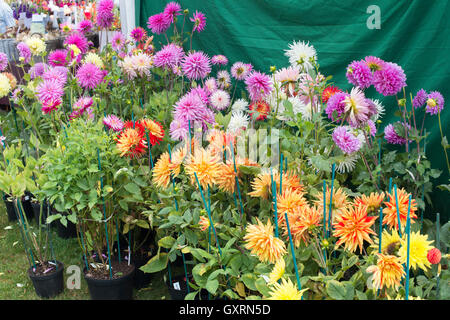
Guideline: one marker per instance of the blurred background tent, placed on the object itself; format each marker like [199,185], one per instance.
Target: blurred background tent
[413,34]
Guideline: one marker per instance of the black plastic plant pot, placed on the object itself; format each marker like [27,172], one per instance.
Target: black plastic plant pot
[141,279]
[37,212]
[178,288]
[10,209]
[26,205]
[111,289]
[48,285]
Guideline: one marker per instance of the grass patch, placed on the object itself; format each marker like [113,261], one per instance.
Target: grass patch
[15,283]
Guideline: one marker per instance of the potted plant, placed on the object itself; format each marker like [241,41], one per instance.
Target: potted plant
[84,177]
[45,271]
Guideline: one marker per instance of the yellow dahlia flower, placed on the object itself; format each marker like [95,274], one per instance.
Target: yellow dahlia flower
[388,272]
[227,178]
[262,185]
[5,85]
[277,271]
[286,290]
[262,242]
[37,45]
[418,250]
[390,242]
[94,58]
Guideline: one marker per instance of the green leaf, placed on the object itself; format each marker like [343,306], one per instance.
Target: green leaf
[191,295]
[340,290]
[262,287]
[132,188]
[212,286]
[249,280]
[166,242]
[155,264]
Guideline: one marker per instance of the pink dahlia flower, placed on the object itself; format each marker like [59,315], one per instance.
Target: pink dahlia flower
[392,136]
[196,65]
[420,98]
[219,59]
[3,61]
[359,74]
[390,79]
[169,56]
[435,103]
[336,106]
[138,34]
[113,122]
[105,14]
[58,58]
[172,10]
[79,40]
[199,21]
[259,85]
[89,76]
[346,140]
[158,23]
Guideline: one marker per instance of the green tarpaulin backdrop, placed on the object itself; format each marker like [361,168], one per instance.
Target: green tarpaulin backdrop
[413,34]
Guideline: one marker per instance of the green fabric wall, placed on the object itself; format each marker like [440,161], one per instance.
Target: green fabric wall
[413,34]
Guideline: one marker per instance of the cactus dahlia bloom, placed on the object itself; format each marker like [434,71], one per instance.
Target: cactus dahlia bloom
[204,223]
[288,202]
[277,271]
[286,290]
[390,211]
[352,227]
[205,165]
[387,273]
[131,141]
[390,242]
[306,219]
[340,202]
[161,171]
[372,201]
[227,178]
[262,242]
[155,130]
[418,250]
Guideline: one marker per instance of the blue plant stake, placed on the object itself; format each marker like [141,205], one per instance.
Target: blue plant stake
[398,211]
[408,234]
[331,198]
[293,253]
[104,214]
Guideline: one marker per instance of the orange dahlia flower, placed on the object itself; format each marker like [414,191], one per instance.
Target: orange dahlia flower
[387,273]
[353,226]
[390,211]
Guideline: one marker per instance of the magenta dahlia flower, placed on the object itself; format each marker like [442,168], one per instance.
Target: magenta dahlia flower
[374,63]
[57,73]
[199,21]
[113,122]
[220,60]
[81,106]
[3,61]
[346,140]
[118,41]
[169,56]
[203,93]
[390,79]
[79,40]
[392,136]
[58,58]
[259,85]
[189,107]
[37,70]
[196,65]
[172,10]
[24,52]
[85,26]
[49,94]
[336,106]
[105,14]
[359,74]
[420,98]
[138,34]
[435,103]
[89,76]
[158,23]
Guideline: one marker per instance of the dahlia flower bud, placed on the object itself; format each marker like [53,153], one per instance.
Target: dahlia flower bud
[434,256]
